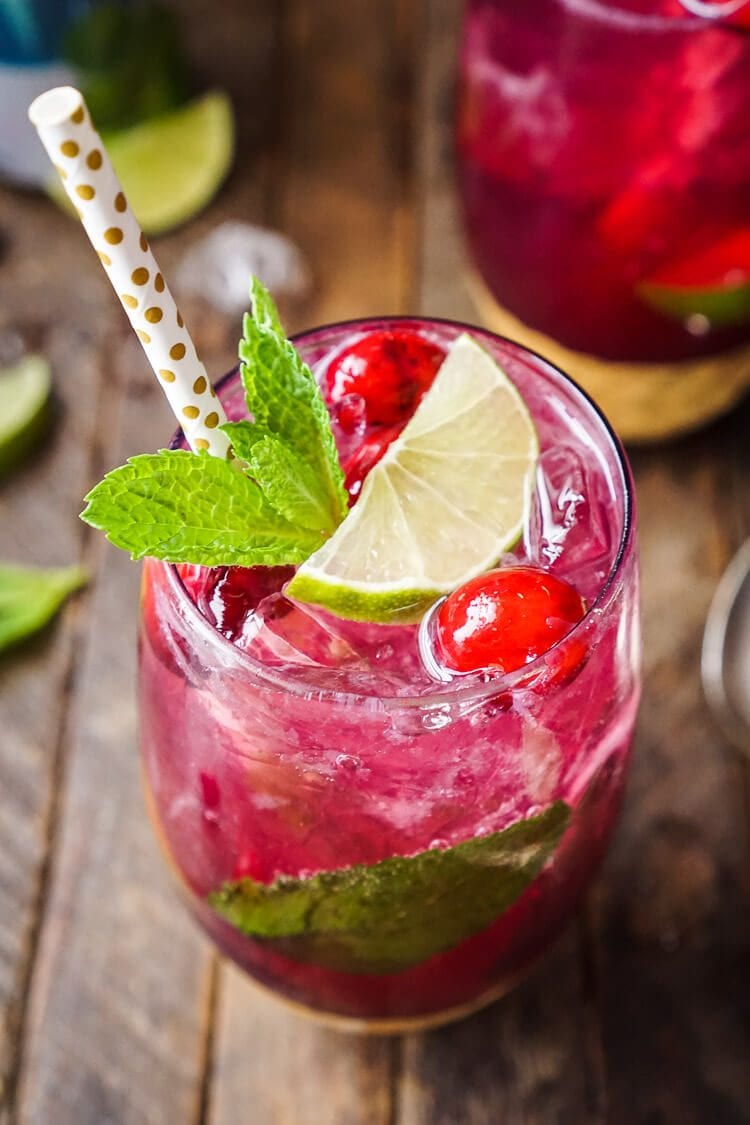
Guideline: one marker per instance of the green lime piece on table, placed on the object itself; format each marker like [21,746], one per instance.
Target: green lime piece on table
[450,495]
[31,597]
[25,409]
[713,283]
[171,166]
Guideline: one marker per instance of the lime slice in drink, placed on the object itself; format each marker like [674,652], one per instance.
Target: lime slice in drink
[24,408]
[713,283]
[448,497]
[171,166]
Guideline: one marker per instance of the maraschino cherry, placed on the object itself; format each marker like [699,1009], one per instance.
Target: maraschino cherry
[505,618]
[389,369]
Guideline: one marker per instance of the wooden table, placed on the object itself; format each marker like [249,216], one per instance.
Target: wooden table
[114,1009]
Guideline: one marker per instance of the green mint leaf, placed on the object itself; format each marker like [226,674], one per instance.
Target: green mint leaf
[29,598]
[265,314]
[288,483]
[388,916]
[284,401]
[190,507]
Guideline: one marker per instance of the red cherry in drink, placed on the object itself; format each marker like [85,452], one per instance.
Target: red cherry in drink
[366,457]
[390,369]
[506,618]
[236,591]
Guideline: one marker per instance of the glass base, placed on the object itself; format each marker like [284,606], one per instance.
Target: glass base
[397,1025]
[644,401]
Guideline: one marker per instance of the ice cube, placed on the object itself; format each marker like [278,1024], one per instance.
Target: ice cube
[219,266]
[282,632]
[569,527]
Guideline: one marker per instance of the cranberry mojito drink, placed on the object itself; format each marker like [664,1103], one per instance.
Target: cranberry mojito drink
[388,661]
[605,178]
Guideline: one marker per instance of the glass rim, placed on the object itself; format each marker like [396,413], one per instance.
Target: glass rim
[700,18]
[473,689]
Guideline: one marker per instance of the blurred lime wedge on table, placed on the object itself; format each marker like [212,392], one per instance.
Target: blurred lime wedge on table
[171,166]
[24,408]
[714,283]
[30,598]
[448,497]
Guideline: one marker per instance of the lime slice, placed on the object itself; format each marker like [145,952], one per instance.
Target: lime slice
[24,408]
[449,496]
[714,283]
[171,166]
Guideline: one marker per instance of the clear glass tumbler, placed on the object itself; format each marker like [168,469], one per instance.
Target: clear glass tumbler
[264,779]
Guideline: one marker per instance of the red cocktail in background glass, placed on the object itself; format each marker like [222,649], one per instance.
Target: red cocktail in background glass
[604,166]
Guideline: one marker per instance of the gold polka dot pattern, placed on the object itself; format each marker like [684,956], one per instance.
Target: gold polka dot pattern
[74,146]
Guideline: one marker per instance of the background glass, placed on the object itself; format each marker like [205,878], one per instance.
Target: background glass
[604,173]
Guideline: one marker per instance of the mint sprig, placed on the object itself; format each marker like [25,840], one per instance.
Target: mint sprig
[30,597]
[388,916]
[191,507]
[274,505]
[285,403]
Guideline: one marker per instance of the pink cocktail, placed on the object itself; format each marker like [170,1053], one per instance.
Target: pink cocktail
[289,750]
[604,171]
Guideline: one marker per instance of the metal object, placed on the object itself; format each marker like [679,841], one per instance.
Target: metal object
[725,661]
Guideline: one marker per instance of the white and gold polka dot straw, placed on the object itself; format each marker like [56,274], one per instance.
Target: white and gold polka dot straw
[75,148]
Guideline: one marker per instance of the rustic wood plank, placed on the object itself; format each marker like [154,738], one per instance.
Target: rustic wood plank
[115,1025]
[533,1056]
[440,267]
[291,1071]
[520,1061]
[52,303]
[341,190]
[673,905]
[119,1018]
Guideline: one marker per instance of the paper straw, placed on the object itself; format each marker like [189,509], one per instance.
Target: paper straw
[75,148]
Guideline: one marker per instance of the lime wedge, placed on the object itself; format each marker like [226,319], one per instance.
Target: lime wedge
[24,408]
[714,283]
[171,166]
[449,496]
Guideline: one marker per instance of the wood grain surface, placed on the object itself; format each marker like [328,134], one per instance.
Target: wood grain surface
[113,1009]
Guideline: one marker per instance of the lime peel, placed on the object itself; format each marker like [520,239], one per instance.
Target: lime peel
[449,496]
[25,408]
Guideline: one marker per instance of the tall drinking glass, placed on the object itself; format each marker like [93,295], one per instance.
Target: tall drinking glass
[604,167]
[375,846]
